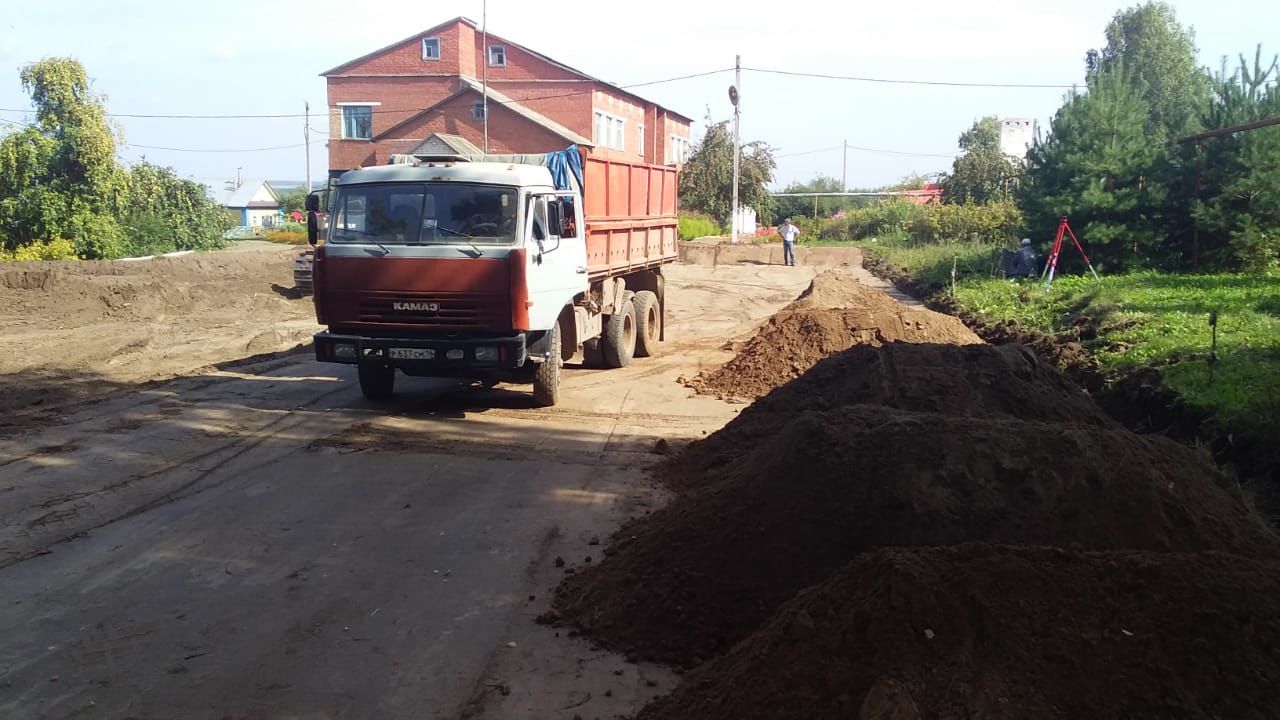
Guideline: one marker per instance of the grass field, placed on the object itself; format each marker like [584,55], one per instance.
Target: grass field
[1145,319]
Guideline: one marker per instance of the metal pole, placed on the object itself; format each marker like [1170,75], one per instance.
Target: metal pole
[306,133]
[844,177]
[484,70]
[737,142]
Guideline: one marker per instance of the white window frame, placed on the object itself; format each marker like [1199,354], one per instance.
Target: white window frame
[640,147]
[679,150]
[502,49]
[344,105]
[434,40]
[610,131]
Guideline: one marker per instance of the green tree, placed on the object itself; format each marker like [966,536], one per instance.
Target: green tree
[979,174]
[706,181]
[1099,167]
[59,179]
[294,200]
[798,207]
[1238,213]
[1160,57]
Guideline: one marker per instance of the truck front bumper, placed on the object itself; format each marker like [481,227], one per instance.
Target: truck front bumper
[435,357]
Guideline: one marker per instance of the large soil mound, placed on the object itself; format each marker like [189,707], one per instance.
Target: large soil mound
[791,507]
[87,326]
[976,381]
[1000,632]
[835,312]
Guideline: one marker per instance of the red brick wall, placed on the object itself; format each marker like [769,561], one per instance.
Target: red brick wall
[568,103]
[521,65]
[508,133]
[406,58]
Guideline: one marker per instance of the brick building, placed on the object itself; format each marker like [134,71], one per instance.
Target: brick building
[427,86]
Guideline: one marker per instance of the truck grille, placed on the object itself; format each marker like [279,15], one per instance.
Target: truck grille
[451,311]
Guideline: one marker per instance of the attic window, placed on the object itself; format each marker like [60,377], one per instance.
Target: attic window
[430,48]
[477,110]
[497,56]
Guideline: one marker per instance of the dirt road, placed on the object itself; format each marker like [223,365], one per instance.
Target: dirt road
[260,542]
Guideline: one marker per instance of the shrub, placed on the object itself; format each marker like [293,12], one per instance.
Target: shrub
[696,225]
[287,237]
[147,234]
[992,224]
[59,249]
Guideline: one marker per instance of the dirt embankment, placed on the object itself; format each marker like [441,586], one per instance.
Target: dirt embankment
[835,312]
[929,530]
[80,327]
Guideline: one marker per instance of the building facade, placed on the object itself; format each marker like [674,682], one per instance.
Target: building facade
[395,99]
[1016,137]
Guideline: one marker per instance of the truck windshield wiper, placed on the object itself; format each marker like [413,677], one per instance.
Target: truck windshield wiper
[370,237]
[465,237]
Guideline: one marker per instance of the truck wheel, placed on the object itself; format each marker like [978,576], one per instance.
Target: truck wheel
[546,378]
[618,341]
[648,323]
[377,382]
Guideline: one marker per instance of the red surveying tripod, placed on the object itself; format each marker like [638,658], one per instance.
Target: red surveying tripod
[1051,265]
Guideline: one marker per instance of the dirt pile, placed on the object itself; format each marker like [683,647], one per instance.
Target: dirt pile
[86,326]
[1003,632]
[790,508]
[959,381]
[834,313]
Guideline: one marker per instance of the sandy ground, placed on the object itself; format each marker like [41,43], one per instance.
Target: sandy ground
[258,541]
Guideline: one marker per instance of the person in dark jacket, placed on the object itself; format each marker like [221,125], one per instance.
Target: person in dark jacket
[1024,264]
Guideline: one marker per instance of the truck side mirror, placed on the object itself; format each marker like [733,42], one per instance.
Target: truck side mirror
[313,202]
[555,217]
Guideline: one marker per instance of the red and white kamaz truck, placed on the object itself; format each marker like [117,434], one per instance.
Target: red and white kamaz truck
[492,268]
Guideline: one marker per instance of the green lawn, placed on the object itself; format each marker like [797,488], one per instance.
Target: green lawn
[1145,319]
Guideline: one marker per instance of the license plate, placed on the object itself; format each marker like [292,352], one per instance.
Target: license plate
[411,354]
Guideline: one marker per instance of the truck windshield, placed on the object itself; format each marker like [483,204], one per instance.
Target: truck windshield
[424,214]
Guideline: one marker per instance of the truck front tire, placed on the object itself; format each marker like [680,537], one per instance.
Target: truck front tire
[618,342]
[546,377]
[648,323]
[377,382]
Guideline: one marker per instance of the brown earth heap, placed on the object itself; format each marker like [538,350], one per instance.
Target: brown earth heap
[1007,633]
[86,326]
[782,513]
[835,312]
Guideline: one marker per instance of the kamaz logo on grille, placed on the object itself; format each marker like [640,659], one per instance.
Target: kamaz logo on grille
[415,307]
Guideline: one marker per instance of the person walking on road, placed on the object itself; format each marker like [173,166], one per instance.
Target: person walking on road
[789,233]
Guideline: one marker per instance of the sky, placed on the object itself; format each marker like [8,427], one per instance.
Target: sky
[256,57]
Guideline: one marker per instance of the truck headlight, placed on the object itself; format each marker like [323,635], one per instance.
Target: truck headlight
[487,354]
[344,351]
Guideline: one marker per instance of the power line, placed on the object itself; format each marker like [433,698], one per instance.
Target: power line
[274,116]
[221,150]
[870,150]
[941,83]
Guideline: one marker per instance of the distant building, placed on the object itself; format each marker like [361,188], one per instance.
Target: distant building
[425,92]
[930,194]
[250,203]
[1016,136]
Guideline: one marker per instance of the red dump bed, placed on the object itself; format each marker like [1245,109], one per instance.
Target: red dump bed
[631,216]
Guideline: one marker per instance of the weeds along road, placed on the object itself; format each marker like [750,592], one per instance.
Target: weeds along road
[262,542]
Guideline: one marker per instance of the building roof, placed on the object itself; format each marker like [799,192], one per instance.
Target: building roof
[460,19]
[467,85]
[243,196]
[446,143]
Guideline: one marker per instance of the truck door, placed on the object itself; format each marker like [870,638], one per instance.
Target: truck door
[557,266]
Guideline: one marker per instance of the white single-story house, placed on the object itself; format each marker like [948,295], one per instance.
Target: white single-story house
[253,203]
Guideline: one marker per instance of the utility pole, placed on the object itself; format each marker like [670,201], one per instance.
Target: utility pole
[306,133]
[484,69]
[734,97]
[844,176]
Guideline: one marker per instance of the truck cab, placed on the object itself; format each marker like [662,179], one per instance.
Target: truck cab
[475,270]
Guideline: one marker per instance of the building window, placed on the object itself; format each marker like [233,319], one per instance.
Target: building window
[640,145]
[610,131]
[497,56]
[357,122]
[678,151]
[477,110]
[430,48]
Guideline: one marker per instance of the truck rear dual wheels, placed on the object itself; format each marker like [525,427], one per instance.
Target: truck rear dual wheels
[648,323]
[618,341]
[377,382]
